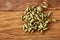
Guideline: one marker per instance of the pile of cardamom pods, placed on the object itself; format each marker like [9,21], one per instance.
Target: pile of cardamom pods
[36,18]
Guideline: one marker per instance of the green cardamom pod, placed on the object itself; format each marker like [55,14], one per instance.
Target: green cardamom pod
[29,30]
[45,5]
[26,30]
[32,31]
[41,31]
[48,14]
[39,9]
[53,20]
[45,28]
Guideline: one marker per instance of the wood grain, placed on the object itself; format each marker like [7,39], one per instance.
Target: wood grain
[22,4]
[11,22]
[11,27]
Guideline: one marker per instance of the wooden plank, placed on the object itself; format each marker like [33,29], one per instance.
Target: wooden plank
[11,27]
[22,4]
[12,20]
[4,16]
[11,23]
[16,4]
[47,37]
[16,29]
[20,34]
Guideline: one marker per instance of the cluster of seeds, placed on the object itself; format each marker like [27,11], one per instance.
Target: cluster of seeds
[36,19]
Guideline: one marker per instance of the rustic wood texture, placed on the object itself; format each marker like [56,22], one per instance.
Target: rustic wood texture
[11,22]
[22,4]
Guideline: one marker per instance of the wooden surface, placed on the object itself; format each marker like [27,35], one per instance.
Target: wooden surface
[11,23]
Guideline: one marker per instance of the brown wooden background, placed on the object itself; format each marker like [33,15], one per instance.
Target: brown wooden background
[11,23]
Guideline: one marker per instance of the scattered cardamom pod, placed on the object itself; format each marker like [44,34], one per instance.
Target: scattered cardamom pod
[45,5]
[26,30]
[36,19]
[39,9]
[53,20]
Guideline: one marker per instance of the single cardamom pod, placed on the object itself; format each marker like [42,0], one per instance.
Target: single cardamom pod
[32,31]
[26,30]
[31,15]
[46,21]
[45,25]
[32,7]
[39,8]
[41,25]
[29,30]
[32,20]
[45,5]
[41,31]
[23,17]
[53,20]
[45,28]
[48,14]
[27,9]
